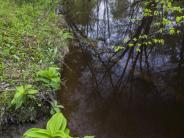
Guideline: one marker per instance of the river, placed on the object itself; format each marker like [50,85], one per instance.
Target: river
[98,96]
[148,106]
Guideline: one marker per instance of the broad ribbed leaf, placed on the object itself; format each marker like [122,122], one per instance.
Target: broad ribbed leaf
[55,83]
[89,137]
[64,124]
[36,133]
[60,134]
[32,91]
[27,87]
[45,80]
[57,123]
[67,131]
[18,99]
[20,89]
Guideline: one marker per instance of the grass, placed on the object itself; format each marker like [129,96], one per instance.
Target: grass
[32,38]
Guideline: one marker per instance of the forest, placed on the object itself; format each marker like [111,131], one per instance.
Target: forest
[91,68]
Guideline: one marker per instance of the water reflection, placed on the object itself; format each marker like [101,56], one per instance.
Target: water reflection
[148,106]
[119,8]
[99,19]
[80,11]
[153,113]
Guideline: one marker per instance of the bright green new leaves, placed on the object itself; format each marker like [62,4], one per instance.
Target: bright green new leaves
[56,128]
[179,19]
[166,13]
[50,77]
[118,48]
[22,93]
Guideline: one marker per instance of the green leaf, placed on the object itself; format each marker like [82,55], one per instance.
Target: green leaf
[60,134]
[67,131]
[20,89]
[89,137]
[138,50]
[32,91]
[21,94]
[56,123]
[130,45]
[50,77]
[36,133]
[178,19]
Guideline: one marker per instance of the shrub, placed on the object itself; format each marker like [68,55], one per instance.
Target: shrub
[50,77]
[22,94]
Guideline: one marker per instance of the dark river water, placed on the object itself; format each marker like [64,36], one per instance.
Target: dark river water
[150,105]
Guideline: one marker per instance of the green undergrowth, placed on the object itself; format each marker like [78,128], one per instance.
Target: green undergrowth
[32,40]
[56,128]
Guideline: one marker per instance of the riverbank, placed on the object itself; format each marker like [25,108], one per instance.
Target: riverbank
[32,39]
